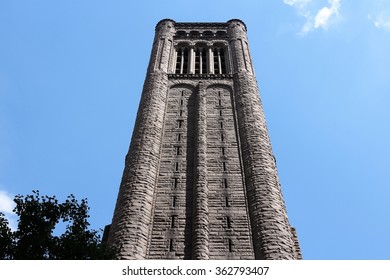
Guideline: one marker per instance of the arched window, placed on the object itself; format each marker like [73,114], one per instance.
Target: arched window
[208,34]
[182,61]
[181,33]
[200,60]
[221,33]
[194,33]
[219,60]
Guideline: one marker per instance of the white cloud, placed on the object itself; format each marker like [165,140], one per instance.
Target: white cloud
[323,16]
[381,21]
[299,3]
[6,206]
[6,202]
[320,18]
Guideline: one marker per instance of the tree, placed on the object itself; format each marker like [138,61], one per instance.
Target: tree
[38,218]
[5,238]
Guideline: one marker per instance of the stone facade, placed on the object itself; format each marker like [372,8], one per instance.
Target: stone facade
[200,178]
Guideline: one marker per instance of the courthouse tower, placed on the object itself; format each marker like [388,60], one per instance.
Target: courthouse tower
[200,179]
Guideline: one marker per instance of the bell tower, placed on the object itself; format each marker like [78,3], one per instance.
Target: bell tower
[200,179]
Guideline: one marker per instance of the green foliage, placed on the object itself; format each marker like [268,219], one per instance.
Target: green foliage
[6,243]
[34,239]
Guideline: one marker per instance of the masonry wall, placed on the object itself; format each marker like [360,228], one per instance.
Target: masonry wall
[200,178]
[230,234]
[272,235]
[224,230]
[171,235]
[130,230]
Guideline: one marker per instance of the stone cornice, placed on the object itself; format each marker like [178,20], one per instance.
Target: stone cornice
[200,25]
[200,76]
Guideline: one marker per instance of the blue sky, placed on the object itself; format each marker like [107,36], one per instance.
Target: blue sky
[71,75]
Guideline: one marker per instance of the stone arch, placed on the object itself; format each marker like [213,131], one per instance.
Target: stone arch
[194,33]
[221,33]
[201,44]
[220,44]
[220,85]
[208,33]
[181,33]
[182,45]
[183,85]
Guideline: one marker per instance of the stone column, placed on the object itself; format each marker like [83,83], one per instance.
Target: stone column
[173,61]
[200,60]
[210,61]
[271,232]
[191,60]
[228,60]
[181,60]
[219,61]
[131,224]
[200,227]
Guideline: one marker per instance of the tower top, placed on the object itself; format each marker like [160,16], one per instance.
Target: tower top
[200,24]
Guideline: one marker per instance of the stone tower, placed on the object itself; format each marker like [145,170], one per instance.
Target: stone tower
[200,179]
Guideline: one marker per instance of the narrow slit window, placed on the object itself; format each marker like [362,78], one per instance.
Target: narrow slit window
[176,182]
[227,201]
[178,137]
[178,150]
[228,222]
[224,166]
[181,113]
[219,94]
[225,183]
[174,201]
[230,245]
[221,124]
[181,102]
[223,150]
[177,166]
[220,113]
[222,137]
[171,245]
[173,221]
[179,123]
[182,93]
[219,102]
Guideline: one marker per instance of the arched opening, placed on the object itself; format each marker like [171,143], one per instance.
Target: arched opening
[219,60]
[182,60]
[181,33]
[200,60]
[208,34]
